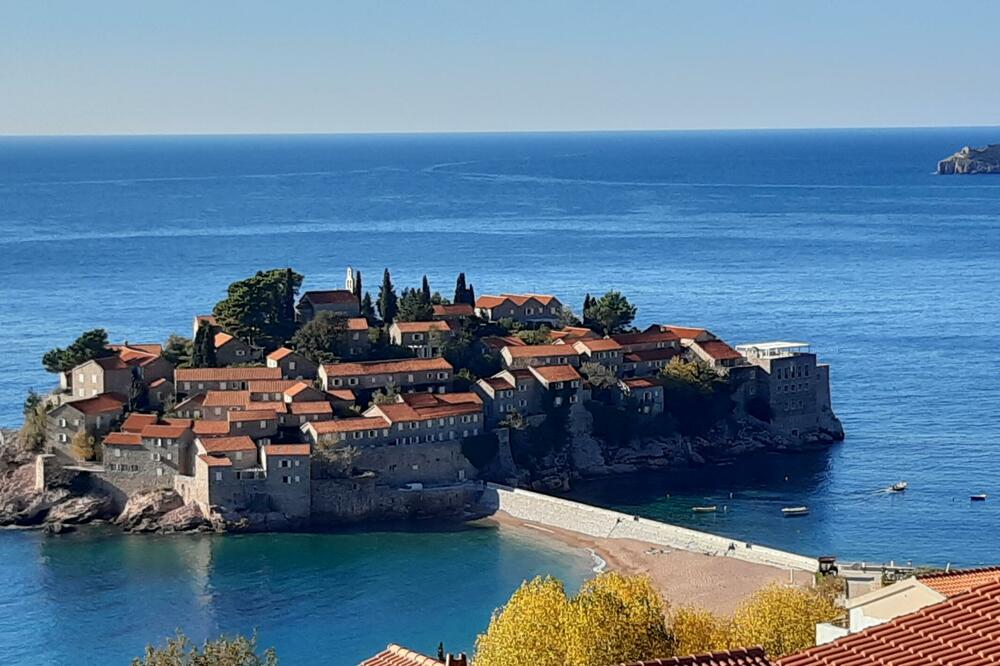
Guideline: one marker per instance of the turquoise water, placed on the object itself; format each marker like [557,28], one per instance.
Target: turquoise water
[841,238]
[96,597]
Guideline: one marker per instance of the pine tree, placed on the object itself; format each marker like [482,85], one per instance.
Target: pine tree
[387,302]
[357,286]
[472,295]
[588,302]
[425,291]
[367,309]
[203,349]
[461,291]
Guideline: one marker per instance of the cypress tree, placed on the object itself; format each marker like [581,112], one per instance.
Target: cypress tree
[425,291]
[367,309]
[387,302]
[288,298]
[471,295]
[357,286]
[197,359]
[461,291]
[203,351]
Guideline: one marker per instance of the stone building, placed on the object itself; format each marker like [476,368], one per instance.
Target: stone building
[190,381]
[230,350]
[425,338]
[120,373]
[432,374]
[605,351]
[293,365]
[643,393]
[526,309]
[520,357]
[96,416]
[336,301]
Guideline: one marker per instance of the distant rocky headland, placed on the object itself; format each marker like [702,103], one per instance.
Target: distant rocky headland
[972,160]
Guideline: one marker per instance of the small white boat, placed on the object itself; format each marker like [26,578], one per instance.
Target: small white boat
[704,509]
[899,486]
[795,511]
[978,498]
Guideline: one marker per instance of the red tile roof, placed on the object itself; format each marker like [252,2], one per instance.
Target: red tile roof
[357,324]
[226,374]
[222,338]
[187,423]
[422,326]
[135,421]
[311,407]
[569,333]
[99,404]
[227,444]
[280,353]
[496,342]
[638,383]
[555,373]
[349,425]
[686,332]
[541,351]
[203,427]
[961,631]
[215,461]
[719,350]
[226,399]
[330,297]
[271,385]
[123,439]
[296,388]
[287,449]
[455,310]
[167,431]
[749,657]
[344,395]
[385,367]
[488,302]
[498,383]
[604,344]
[645,338]
[426,406]
[159,382]
[252,415]
[394,655]
[205,319]
[648,355]
[961,580]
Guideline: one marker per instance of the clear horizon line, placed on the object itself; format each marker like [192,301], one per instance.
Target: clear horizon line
[495,131]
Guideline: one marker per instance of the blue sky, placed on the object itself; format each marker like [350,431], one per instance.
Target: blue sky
[108,67]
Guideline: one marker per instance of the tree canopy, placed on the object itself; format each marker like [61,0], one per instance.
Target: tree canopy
[611,313]
[178,350]
[203,348]
[261,308]
[223,651]
[415,305]
[614,619]
[323,338]
[387,300]
[695,395]
[90,345]
[35,424]
[463,293]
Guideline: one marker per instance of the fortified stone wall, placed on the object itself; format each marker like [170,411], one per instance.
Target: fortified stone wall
[604,523]
[431,462]
[338,501]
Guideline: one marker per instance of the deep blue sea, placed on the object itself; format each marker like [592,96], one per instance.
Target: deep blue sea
[842,238]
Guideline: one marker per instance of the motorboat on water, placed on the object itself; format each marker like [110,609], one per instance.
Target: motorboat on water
[704,509]
[978,498]
[899,486]
[789,511]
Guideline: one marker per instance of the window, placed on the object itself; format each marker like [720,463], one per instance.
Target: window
[409,378]
[284,463]
[286,479]
[298,463]
[118,452]
[429,438]
[358,434]
[62,423]
[336,381]
[156,457]
[170,456]
[572,399]
[263,424]
[353,381]
[239,352]
[372,433]
[418,336]
[297,479]
[62,437]
[414,440]
[522,403]
[159,471]
[82,377]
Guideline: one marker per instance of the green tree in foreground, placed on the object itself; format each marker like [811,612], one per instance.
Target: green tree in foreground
[322,339]
[387,301]
[90,345]
[413,306]
[203,348]
[695,395]
[178,350]
[35,424]
[84,446]
[236,651]
[598,375]
[610,314]
[614,619]
[261,308]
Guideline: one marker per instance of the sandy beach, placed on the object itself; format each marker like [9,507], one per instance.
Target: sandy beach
[718,584]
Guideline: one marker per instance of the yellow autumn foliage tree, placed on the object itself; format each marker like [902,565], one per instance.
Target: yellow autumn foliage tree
[613,619]
[698,630]
[781,619]
[616,619]
[528,629]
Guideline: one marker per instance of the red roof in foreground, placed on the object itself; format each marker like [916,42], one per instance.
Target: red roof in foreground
[103,402]
[750,657]
[123,439]
[287,449]
[719,350]
[330,297]
[955,582]
[135,421]
[394,655]
[962,631]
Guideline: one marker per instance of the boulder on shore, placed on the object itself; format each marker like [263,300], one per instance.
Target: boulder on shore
[143,511]
[78,510]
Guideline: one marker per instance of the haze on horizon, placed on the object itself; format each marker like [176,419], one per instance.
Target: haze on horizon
[184,67]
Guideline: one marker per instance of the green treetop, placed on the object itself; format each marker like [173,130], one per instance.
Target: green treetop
[387,301]
[90,345]
[322,339]
[261,309]
[413,307]
[611,313]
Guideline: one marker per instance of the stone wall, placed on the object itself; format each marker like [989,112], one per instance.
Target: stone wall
[427,462]
[604,523]
[340,501]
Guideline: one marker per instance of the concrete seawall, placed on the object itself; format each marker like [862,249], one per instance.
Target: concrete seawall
[607,524]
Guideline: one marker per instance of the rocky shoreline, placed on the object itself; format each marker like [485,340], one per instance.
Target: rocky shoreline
[970,160]
[67,502]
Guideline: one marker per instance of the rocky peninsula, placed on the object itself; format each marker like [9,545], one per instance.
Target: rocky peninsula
[972,161]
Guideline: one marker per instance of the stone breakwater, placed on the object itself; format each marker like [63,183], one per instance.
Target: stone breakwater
[604,523]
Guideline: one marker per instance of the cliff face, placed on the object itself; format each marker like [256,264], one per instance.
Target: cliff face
[972,161]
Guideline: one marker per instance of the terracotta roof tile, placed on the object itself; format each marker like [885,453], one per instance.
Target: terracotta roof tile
[719,350]
[343,395]
[555,373]
[187,423]
[203,427]
[222,338]
[135,421]
[215,461]
[645,338]
[167,431]
[394,655]
[496,342]
[99,404]
[227,444]
[427,406]
[279,353]
[123,439]
[961,580]
[226,374]
[296,388]
[287,449]
[385,367]
[330,297]
[422,326]
[455,310]
[964,630]
[542,351]
[271,385]
[226,399]
[640,382]
[604,344]
[647,355]
[684,332]
[311,407]
[357,324]
[352,424]
[748,657]
[252,415]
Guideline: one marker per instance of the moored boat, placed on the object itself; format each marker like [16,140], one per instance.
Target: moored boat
[898,487]
[704,509]
[978,498]
[795,511]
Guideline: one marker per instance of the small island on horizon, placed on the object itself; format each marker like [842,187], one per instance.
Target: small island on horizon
[971,160]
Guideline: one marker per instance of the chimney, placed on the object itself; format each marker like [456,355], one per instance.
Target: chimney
[460,660]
